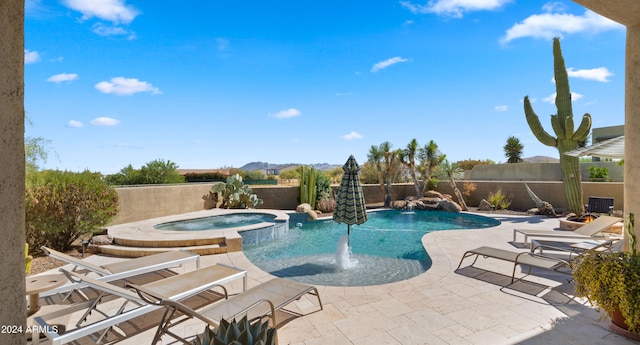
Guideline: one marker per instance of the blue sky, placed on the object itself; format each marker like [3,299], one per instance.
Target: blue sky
[210,84]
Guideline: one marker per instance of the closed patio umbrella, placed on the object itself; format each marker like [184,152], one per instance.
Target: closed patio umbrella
[350,206]
[611,148]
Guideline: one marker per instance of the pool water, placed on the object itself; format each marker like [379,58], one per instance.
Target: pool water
[387,248]
[224,221]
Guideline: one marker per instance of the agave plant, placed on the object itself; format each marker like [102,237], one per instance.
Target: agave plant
[238,333]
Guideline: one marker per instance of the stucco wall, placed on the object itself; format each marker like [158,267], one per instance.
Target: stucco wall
[12,265]
[138,203]
[536,171]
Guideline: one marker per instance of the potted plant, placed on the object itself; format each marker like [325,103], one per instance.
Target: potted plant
[611,282]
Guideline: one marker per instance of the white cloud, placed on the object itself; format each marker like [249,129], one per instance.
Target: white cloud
[75,124]
[287,114]
[552,98]
[501,107]
[549,25]
[126,86]
[352,135]
[454,8]
[386,63]
[58,78]
[104,121]
[31,56]
[104,30]
[600,74]
[115,11]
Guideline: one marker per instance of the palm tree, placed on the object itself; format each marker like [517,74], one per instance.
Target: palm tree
[385,161]
[408,158]
[430,158]
[513,150]
[453,172]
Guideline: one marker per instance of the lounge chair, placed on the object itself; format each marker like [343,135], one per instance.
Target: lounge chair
[123,269]
[517,258]
[576,248]
[174,288]
[586,231]
[258,302]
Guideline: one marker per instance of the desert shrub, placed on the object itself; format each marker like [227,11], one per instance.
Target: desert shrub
[499,200]
[326,205]
[467,189]
[432,183]
[61,206]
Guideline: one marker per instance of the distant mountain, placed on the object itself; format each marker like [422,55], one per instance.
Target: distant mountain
[268,166]
[541,159]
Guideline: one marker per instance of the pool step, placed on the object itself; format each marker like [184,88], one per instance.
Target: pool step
[134,252]
[156,243]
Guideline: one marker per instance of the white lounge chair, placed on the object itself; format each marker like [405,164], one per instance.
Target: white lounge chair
[586,231]
[174,288]
[123,269]
[258,302]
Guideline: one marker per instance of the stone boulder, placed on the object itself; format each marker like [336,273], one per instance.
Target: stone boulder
[101,240]
[303,208]
[449,206]
[433,194]
[485,206]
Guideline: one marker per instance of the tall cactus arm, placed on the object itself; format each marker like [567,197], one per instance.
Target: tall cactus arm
[583,131]
[536,127]
[568,127]
[557,126]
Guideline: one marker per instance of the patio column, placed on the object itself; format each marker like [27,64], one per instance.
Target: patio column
[13,311]
[627,12]
[632,126]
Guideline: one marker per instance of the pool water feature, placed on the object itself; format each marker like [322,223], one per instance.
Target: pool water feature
[387,248]
[224,221]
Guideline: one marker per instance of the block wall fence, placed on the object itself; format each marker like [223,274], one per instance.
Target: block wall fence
[139,203]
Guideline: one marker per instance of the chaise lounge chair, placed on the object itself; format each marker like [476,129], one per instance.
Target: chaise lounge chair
[586,231]
[258,302]
[174,288]
[576,248]
[124,269]
[517,258]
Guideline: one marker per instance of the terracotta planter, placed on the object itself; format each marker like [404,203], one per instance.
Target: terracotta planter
[618,325]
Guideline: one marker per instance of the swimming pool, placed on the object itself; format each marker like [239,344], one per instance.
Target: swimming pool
[387,248]
[224,221]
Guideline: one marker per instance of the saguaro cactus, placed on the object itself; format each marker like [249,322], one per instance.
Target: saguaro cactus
[562,124]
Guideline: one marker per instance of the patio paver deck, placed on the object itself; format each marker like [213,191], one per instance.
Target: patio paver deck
[439,306]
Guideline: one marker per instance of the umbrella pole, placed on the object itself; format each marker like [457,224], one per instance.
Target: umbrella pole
[348,235]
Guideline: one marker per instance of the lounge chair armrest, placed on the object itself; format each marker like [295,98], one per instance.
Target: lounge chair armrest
[262,301]
[190,313]
[146,295]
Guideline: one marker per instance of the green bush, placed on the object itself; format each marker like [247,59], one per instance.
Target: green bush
[499,200]
[432,183]
[155,172]
[61,206]
[598,172]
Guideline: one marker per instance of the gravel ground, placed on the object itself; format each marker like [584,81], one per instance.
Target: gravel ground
[44,263]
